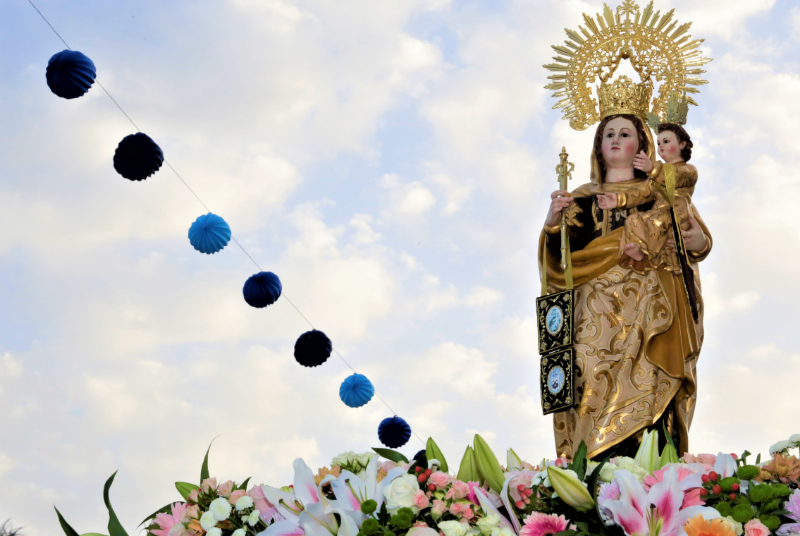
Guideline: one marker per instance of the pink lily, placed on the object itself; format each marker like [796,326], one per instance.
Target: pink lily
[654,513]
[489,509]
[725,465]
[350,490]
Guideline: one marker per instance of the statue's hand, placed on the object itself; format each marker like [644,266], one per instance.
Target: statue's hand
[640,161]
[607,200]
[694,238]
[560,200]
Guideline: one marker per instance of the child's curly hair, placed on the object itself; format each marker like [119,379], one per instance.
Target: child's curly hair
[682,135]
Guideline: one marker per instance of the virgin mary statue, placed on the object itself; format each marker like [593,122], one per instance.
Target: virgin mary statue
[636,341]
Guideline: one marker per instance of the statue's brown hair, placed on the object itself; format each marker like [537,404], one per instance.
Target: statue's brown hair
[644,145]
[682,135]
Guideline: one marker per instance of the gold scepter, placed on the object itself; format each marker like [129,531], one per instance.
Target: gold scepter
[564,170]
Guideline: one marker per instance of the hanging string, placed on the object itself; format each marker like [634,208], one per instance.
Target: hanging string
[283,294]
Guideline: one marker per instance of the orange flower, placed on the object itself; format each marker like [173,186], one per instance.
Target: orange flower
[781,467]
[324,471]
[194,525]
[699,526]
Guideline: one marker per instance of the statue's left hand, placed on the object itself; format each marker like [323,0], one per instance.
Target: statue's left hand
[694,237]
[607,200]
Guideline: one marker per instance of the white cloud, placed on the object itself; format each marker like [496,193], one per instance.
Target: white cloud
[407,200]
[482,295]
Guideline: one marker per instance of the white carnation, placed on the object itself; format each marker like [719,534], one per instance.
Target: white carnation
[253,518]
[795,438]
[780,446]
[503,531]
[214,532]
[238,532]
[488,523]
[243,503]
[208,521]
[221,508]
[734,525]
[453,528]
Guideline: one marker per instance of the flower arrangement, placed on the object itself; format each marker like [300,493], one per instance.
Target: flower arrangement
[384,494]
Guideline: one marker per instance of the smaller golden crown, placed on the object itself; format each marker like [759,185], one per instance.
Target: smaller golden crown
[677,110]
[624,97]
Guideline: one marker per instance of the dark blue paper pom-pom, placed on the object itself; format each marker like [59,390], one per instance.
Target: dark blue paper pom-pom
[137,157]
[356,390]
[70,74]
[394,432]
[312,348]
[262,289]
[209,233]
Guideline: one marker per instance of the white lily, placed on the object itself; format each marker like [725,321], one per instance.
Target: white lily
[513,463]
[350,490]
[725,465]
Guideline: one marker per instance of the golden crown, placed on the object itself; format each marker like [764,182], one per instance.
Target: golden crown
[624,97]
[677,109]
[658,48]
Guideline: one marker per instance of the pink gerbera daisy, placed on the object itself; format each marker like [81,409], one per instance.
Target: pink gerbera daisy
[539,524]
[171,524]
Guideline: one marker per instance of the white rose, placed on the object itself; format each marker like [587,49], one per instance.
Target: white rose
[453,528]
[607,472]
[780,446]
[238,532]
[243,503]
[400,493]
[253,518]
[214,532]
[504,531]
[208,521]
[734,525]
[488,523]
[221,508]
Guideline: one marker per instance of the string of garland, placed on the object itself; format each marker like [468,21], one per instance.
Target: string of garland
[71,74]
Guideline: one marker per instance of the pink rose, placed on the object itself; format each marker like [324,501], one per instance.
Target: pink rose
[460,489]
[261,502]
[420,525]
[754,527]
[193,512]
[225,489]
[193,496]
[420,500]
[236,495]
[438,507]
[467,513]
[689,458]
[707,459]
[456,509]
[561,462]
[209,484]
[440,479]
[692,497]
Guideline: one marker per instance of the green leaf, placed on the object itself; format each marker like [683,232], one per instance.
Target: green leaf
[114,526]
[204,469]
[744,456]
[758,459]
[185,488]
[432,452]
[592,485]
[69,531]
[243,485]
[92,534]
[383,515]
[488,466]
[390,454]
[579,461]
[163,510]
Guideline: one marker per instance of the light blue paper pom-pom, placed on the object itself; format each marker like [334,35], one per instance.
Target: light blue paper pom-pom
[209,233]
[356,390]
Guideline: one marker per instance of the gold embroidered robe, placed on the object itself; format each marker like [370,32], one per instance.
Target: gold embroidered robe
[636,344]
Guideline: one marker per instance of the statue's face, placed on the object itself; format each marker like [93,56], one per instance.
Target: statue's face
[668,147]
[620,143]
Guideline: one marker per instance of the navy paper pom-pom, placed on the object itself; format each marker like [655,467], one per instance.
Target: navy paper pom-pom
[356,390]
[209,233]
[312,348]
[70,74]
[394,432]
[137,157]
[262,289]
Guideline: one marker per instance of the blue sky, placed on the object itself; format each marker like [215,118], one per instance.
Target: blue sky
[391,162]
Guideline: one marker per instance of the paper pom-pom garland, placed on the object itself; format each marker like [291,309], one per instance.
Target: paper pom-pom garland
[356,390]
[137,157]
[209,233]
[312,348]
[70,74]
[262,289]
[394,432]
